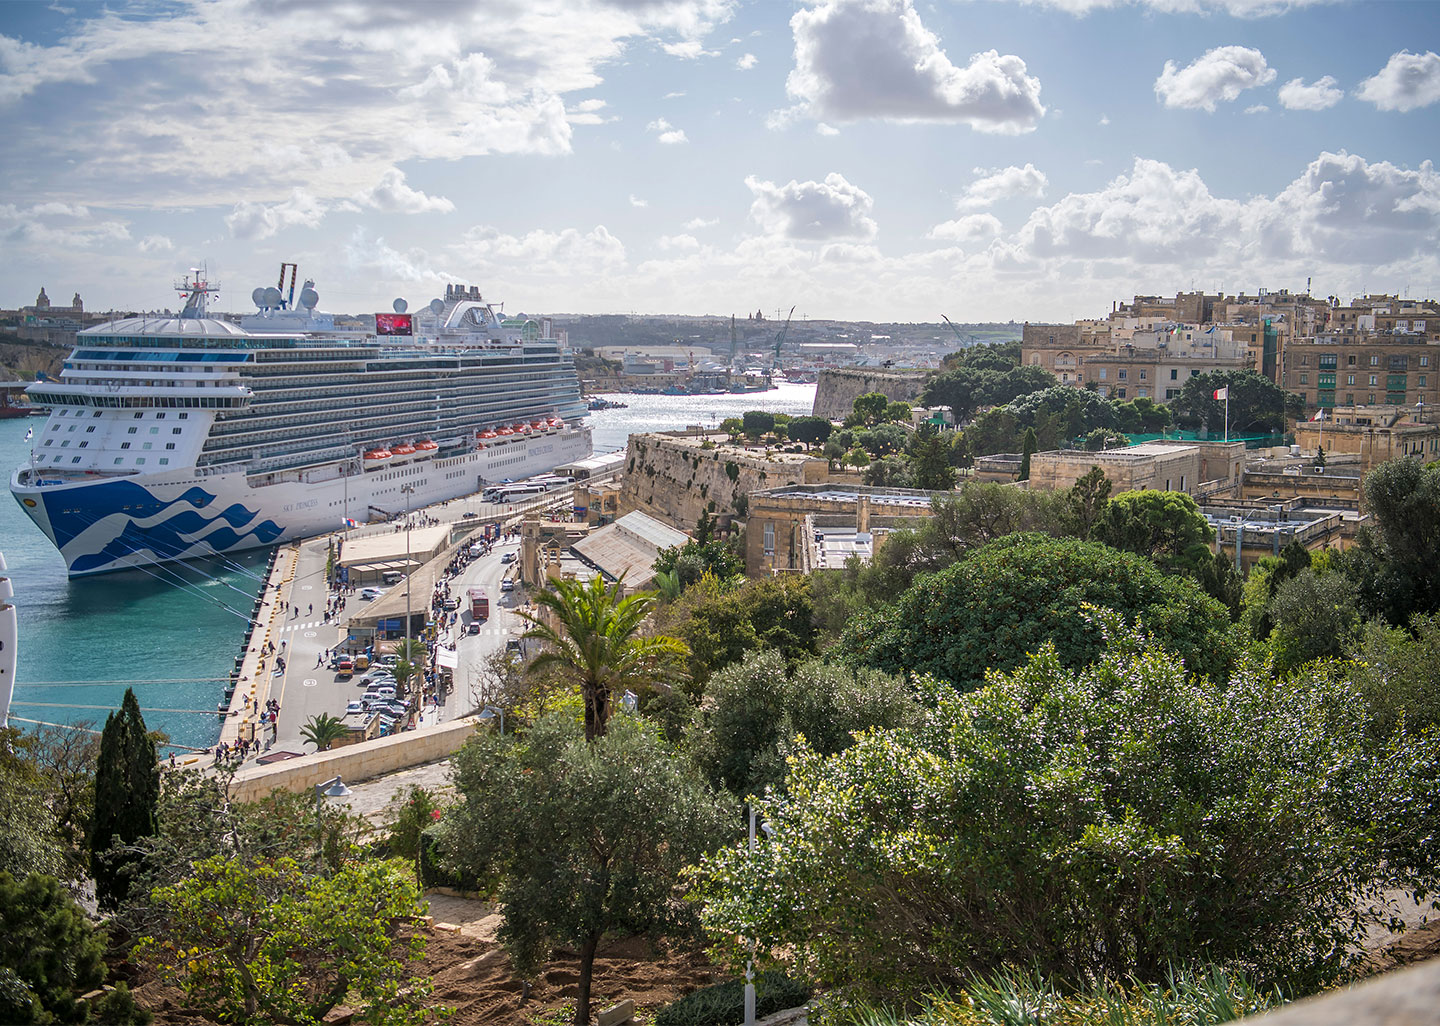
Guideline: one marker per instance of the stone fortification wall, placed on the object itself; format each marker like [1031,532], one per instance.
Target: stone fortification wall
[675,478]
[837,390]
[356,762]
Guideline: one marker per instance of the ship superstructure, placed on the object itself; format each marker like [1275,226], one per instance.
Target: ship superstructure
[182,436]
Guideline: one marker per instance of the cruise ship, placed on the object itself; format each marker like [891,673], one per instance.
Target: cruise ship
[176,437]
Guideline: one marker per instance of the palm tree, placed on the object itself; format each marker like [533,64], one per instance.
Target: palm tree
[324,730]
[412,662]
[596,646]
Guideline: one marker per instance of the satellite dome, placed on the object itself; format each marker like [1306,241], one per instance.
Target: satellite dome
[400,306]
[309,298]
[258,296]
[272,297]
[436,306]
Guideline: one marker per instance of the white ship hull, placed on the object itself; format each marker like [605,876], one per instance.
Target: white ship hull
[115,523]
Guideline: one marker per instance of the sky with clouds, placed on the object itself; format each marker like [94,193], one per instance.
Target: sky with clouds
[859,159]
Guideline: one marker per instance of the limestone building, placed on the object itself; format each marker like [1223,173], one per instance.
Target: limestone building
[1374,434]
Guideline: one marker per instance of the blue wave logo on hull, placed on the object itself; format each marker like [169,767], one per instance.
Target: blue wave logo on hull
[71,513]
[167,540]
[74,510]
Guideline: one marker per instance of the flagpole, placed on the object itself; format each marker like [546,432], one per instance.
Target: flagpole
[1227,413]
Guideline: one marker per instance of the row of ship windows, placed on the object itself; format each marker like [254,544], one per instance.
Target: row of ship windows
[85,444]
[133,401]
[65,412]
[90,429]
[139,461]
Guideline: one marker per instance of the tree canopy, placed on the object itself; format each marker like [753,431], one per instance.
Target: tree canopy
[1257,404]
[1005,600]
[584,838]
[1158,524]
[1120,820]
[753,712]
[264,942]
[127,787]
[50,956]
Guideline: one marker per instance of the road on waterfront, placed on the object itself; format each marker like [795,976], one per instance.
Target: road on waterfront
[305,689]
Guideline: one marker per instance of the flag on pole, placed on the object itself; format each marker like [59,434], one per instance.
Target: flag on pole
[350,523]
[1222,393]
[1319,414]
[29,433]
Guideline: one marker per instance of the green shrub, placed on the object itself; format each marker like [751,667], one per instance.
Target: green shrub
[724,1003]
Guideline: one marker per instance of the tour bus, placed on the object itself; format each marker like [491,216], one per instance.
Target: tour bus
[479,604]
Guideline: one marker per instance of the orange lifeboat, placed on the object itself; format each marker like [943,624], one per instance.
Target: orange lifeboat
[403,452]
[505,431]
[378,457]
[426,448]
[487,433]
[556,422]
[539,424]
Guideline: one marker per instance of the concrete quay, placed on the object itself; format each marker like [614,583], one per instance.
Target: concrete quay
[287,618]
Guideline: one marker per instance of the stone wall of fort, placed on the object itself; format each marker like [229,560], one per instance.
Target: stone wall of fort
[837,390]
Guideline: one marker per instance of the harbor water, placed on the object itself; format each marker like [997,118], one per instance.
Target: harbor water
[172,633]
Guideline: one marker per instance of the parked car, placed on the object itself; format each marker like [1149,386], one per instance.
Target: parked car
[354,706]
[370,593]
[512,647]
[386,691]
[507,585]
[389,659]
[344,669]
[509,557]
[469,514]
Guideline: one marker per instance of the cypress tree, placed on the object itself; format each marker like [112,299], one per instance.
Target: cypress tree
[127,789]
[1028,446]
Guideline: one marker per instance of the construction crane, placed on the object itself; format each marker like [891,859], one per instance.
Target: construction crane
[780,338]
[965,340]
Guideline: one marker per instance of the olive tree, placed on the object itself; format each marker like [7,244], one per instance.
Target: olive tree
[585,838]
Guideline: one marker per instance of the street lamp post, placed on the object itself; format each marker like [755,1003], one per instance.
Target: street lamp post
[490,712]
[408,490]
[750,962]
[332,788]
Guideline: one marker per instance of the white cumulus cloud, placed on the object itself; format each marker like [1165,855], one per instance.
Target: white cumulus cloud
[1222,74]
[259,221]
[1408,80]
[993,186]
[393,195]
[812,211]
[970,228]
[747,61]
[666,132]
[1322,94]
[859,59]
[636,201]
